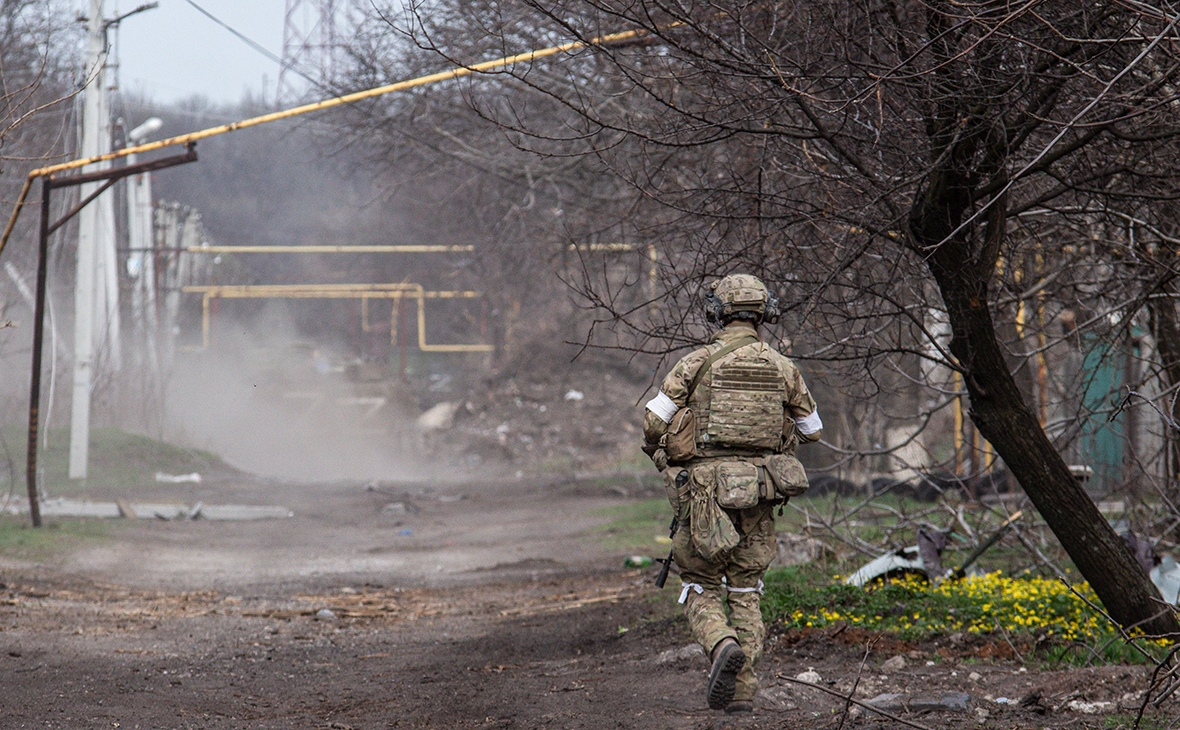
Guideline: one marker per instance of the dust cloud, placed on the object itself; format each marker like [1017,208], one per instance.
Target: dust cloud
[273,403]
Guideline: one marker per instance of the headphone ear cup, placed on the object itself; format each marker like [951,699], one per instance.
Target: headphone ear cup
[772,313]
[712,309]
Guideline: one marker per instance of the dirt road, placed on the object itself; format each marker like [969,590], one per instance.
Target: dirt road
[459,606]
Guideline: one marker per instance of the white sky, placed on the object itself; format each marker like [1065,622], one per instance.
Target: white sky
[175,52]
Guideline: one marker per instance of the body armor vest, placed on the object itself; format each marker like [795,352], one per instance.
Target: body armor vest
[742,404]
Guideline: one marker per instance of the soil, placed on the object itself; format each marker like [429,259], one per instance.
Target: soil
[467,605]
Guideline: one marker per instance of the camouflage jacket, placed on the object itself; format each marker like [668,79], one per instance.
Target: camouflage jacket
[801,420]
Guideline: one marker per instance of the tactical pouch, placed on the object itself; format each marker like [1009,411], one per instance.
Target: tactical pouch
[737,485]
[680,442]
[678,490]
[713,534]
[787,474]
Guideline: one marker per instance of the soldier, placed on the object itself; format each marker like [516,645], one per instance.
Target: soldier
[723,430]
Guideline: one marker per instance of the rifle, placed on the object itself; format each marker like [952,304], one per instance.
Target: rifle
[681,478]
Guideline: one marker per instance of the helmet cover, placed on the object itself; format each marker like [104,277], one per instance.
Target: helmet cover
[741,292]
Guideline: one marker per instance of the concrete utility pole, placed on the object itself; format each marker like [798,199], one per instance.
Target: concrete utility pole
[95,237]
[141,263]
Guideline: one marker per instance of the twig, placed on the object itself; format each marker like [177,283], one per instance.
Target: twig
[850,699]
[856,683]
[1009,640]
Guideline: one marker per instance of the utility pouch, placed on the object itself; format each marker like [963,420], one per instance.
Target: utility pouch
[713,534]
[737,485]
[676,487]
[680,442]
[787,474]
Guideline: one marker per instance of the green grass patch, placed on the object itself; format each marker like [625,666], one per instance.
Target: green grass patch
[117,459]
[640,527]
[19,540]
[1048,617]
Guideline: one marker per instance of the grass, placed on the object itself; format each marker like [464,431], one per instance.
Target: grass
[1048,620]
[117,459]
[1057,624]
[640,527]
[19,540]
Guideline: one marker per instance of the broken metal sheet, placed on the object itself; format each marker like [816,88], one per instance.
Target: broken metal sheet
[904,559]
[154,510]
[1166,577]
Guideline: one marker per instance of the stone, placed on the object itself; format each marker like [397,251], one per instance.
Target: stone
[684,653]
[934,702]
[896,664]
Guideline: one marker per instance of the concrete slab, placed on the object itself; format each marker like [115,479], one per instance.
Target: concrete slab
[153,510]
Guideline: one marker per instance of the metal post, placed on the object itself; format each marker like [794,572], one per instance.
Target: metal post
[38,341]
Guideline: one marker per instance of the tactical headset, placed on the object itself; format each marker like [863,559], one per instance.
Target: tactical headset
[716,311]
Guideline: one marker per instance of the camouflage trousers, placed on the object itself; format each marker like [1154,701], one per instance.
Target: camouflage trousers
[708,587]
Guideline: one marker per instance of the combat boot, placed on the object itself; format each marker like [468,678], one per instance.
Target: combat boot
[728,659]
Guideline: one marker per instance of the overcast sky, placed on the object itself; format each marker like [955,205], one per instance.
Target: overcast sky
[174,52]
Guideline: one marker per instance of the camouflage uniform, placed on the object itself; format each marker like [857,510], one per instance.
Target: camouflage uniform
[708,586]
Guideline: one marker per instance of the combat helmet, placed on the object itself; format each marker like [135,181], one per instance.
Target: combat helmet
[740,296]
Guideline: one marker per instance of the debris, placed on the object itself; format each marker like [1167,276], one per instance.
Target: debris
[810,676]
[930,546]
[574,395]
[935,702]
[891,701]
[1088,708]
[895,664]
[636,561]
[439,417]
[405,531]
[325,614]
[911,559]
[178,478]
[974,677]
[904,560]
[684,653]
[152,510]
[1166,577]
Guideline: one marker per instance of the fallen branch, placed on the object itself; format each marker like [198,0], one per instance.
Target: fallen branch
[849,698]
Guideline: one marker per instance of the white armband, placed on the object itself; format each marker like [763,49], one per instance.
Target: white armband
[663,406]
[809,424]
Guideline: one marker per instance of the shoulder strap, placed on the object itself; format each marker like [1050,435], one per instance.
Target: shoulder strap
[704,368]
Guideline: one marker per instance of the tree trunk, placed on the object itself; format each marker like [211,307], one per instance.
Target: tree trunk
[1166,331]
[1003,416]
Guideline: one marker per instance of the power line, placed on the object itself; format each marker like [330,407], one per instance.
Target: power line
[256,46]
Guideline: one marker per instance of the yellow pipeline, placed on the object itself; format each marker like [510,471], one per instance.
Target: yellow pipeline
[334,291]
[453,73]
[361,248]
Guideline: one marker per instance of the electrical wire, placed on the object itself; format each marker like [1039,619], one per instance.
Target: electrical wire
[256,46]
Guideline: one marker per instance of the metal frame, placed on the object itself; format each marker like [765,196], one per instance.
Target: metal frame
[48,184]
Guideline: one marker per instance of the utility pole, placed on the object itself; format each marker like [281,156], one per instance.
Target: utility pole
[95,222]
[96,290]
[141,263]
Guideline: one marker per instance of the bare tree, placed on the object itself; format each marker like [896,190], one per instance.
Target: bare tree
[920,172]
